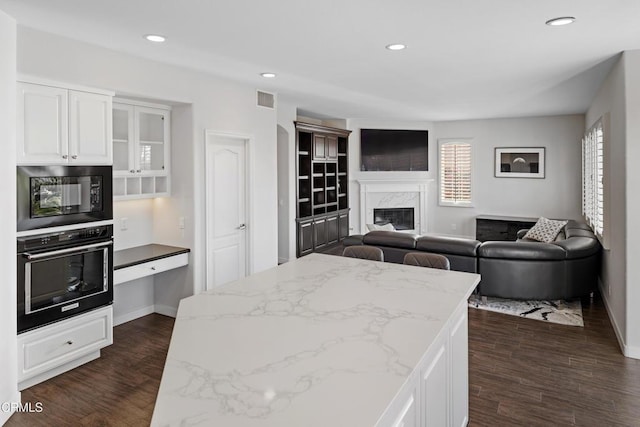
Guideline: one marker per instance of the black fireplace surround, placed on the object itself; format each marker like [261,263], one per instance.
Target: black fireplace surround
[401,218]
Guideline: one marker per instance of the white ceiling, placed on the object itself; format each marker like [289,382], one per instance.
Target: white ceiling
[465,58]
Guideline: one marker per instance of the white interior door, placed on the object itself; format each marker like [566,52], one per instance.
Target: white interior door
[226,187]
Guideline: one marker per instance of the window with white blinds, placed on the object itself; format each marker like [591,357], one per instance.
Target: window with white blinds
[592,177]
[455,173]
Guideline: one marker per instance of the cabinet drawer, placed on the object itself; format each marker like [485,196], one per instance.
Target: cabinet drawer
[150,268]
[54,345]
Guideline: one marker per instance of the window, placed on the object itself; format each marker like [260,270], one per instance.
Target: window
[455,173]
[592,177]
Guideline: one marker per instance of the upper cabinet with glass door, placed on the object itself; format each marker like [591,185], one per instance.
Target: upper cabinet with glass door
[141,149]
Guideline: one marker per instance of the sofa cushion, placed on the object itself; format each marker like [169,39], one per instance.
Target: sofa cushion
[578,232]
[545,230]
[579,247]
[575,224]
[390,238]
[522,250]
[448,245]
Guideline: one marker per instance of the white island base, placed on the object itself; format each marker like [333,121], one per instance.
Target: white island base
[322,341]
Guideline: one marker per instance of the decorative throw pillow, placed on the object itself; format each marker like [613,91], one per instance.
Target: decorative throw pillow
[545,230]
[386,227]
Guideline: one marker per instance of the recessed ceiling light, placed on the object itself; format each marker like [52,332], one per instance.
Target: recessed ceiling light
[268,75]
[396,46]
[564,20]
[155,38]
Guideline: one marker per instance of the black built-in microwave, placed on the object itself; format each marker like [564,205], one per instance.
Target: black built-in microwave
[49,196]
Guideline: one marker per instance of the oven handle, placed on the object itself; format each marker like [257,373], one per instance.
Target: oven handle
[66,251]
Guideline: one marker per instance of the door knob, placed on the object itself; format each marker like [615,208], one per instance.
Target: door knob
[241,227]
[74,157]
[64,156]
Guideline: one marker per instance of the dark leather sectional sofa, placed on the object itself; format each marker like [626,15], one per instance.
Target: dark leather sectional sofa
[523,269]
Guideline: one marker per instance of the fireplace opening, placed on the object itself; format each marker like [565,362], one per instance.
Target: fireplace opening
[401,218]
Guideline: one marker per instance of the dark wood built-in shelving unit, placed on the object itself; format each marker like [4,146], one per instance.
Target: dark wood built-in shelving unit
[322,172]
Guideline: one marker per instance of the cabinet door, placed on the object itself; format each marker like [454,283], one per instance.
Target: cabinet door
[459,342]
[90,128]
[409,415]
[123,139]
[319,147]
[320,232]
[153,136]
[435,387]
[305,238]
[332,229]
[42,116]
[332,148]
[343,225]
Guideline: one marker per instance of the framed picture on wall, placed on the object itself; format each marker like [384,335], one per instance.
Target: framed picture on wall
[519,162]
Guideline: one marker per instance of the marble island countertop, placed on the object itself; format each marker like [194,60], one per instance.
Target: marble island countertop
[319,341]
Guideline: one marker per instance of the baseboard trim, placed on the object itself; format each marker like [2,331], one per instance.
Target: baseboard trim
[166,310]
[632,352]
[132,315]
[627,351]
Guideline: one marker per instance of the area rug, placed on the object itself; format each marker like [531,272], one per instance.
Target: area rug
[559,311]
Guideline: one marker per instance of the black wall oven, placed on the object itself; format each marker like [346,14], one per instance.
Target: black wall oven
[64,273]
[51,196]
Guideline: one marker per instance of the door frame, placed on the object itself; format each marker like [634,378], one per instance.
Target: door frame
[211,138]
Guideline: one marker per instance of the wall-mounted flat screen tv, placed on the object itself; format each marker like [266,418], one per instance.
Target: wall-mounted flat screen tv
[394,150]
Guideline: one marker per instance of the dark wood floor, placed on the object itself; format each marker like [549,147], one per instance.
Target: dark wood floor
[522,372]
[532,373]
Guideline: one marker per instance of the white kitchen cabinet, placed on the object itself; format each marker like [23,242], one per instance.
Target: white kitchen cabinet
[437,392]
[59,125]
[459,362]
[435,387]
[409,415]
[53,349]
[150,268]
[141,146]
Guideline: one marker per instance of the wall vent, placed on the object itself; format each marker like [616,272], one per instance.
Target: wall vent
[266,99]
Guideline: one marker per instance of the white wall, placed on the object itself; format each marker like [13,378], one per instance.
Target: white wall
[558,195]
[286,181]
[8,354]
[632,92]
[611,99]
[217,104]
[354,165]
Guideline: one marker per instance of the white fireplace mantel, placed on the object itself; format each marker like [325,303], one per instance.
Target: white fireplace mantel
[394,193]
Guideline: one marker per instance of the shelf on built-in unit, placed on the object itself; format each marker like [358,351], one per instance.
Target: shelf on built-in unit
[303,153]
[303,177]
[315,190]
[342,174]
[317,175]
[137,187]
[151,142]
[342,154]
[124,141]
[331,188]
[342,194]
[330,174]
[303,200]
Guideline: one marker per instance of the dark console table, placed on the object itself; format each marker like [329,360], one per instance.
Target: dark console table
[493,227]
